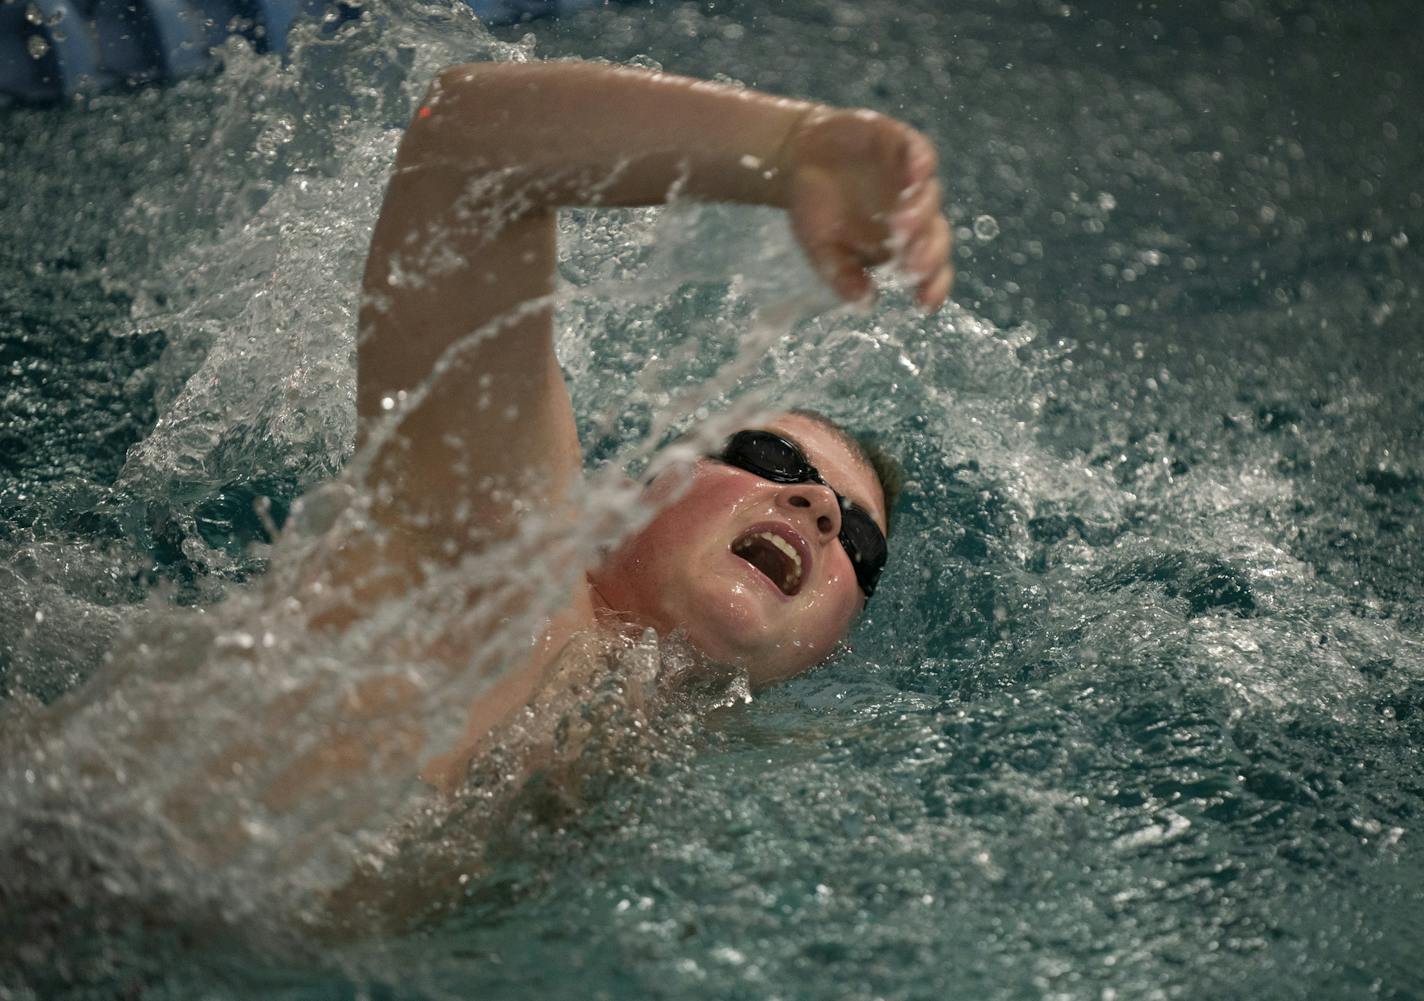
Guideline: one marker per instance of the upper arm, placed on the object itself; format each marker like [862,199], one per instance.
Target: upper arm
[456,339]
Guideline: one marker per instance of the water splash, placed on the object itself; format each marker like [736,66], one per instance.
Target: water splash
[1143,656]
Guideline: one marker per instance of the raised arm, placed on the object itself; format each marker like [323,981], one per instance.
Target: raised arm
[456,336]
[465,244]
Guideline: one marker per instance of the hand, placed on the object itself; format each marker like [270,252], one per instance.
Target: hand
[862,190]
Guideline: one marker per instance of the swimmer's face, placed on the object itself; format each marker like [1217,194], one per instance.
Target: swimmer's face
[717,560]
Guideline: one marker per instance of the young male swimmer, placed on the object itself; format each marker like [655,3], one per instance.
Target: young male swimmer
[764,560]
[762,556]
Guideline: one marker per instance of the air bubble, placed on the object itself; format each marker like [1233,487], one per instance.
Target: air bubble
[37,47]
[986,227]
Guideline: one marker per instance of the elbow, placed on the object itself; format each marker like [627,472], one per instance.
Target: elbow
[453,79]
[451,120]
[455,85]
[447,91]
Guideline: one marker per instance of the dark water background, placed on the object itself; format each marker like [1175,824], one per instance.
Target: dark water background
[1139,708]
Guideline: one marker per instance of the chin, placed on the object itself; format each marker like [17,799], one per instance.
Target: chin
[735,630]
[730,624]
[728,618]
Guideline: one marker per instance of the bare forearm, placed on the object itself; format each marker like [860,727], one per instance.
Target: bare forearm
[600,134]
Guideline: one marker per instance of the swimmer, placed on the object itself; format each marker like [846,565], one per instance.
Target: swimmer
[761,556]
[766,558]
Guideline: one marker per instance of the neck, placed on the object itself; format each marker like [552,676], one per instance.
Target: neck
[603,607]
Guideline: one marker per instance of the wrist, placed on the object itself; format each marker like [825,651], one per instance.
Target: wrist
[783,163]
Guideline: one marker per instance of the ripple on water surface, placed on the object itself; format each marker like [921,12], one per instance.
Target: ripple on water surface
[1136,711]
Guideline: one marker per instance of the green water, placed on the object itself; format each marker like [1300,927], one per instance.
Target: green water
[1137,710]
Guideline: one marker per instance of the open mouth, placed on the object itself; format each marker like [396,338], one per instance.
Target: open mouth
[774,556]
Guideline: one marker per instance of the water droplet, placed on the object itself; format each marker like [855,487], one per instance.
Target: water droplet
[986,227]
[37,47]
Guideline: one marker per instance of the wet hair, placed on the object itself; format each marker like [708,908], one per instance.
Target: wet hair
[886,467]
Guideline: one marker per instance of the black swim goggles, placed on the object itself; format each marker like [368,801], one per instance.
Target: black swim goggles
[773,458]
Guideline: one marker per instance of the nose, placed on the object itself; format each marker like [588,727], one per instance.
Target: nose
[816,501]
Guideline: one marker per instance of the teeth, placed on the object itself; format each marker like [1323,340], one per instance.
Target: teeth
[789,550]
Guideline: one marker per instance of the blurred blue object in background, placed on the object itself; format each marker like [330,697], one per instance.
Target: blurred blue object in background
[51,50]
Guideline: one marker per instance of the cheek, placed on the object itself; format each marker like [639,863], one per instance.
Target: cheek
[688,509]
[839,602]
[833,625]
[688,525]
[819,632]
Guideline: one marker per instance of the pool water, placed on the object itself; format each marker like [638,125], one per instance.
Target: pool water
[1137,710]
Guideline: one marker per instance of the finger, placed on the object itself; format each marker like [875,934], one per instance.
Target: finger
[920,160]
[917,211]
[935,291]
[870,252]
[930,250]
[863,240]
[843,267]
[850,279]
